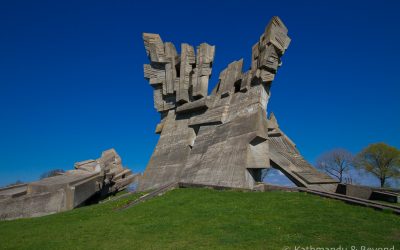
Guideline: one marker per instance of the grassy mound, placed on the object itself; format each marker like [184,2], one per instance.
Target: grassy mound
[201,218]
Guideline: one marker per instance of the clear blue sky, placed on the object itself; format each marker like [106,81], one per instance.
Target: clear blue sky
[71,80]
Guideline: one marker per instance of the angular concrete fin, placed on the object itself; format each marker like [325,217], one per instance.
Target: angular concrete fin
[155,74]
[269,59]
[154,47]
[255,52]
[231,74]
[272,121]
[187,61]
[276,33]
[202,72]
[170,67]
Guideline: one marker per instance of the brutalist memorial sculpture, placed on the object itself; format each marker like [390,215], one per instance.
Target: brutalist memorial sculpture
[224,138]
[90,179]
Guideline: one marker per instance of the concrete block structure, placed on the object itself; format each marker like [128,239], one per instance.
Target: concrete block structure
[90,178]
[223,138]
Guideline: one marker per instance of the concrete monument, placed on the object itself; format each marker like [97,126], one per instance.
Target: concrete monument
[89,179]
[224,138]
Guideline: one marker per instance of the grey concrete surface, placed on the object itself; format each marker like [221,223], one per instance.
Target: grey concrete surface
[90,178]
[225,138]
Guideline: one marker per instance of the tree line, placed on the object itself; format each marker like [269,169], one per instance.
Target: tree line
[380,160]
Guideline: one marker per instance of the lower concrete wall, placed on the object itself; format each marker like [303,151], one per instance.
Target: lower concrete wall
[385,196]
[83,191]
[368,193]
[361,192]
[33,205]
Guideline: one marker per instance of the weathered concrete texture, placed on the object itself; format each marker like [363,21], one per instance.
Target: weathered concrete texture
[225,138]
[66,191]
[176,78]
[13,191]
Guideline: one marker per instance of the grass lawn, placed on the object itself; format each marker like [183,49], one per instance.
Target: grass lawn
[202,218]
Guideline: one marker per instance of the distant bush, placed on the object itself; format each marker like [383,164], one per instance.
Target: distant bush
[51,173]
[18,182]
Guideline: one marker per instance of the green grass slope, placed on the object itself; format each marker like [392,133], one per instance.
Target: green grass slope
[202,218]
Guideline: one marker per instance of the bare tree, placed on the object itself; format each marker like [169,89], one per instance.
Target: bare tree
[336,163]
[265,172]
[381,160]
[51,173]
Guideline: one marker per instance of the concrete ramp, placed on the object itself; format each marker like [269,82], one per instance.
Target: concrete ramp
[285,157]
